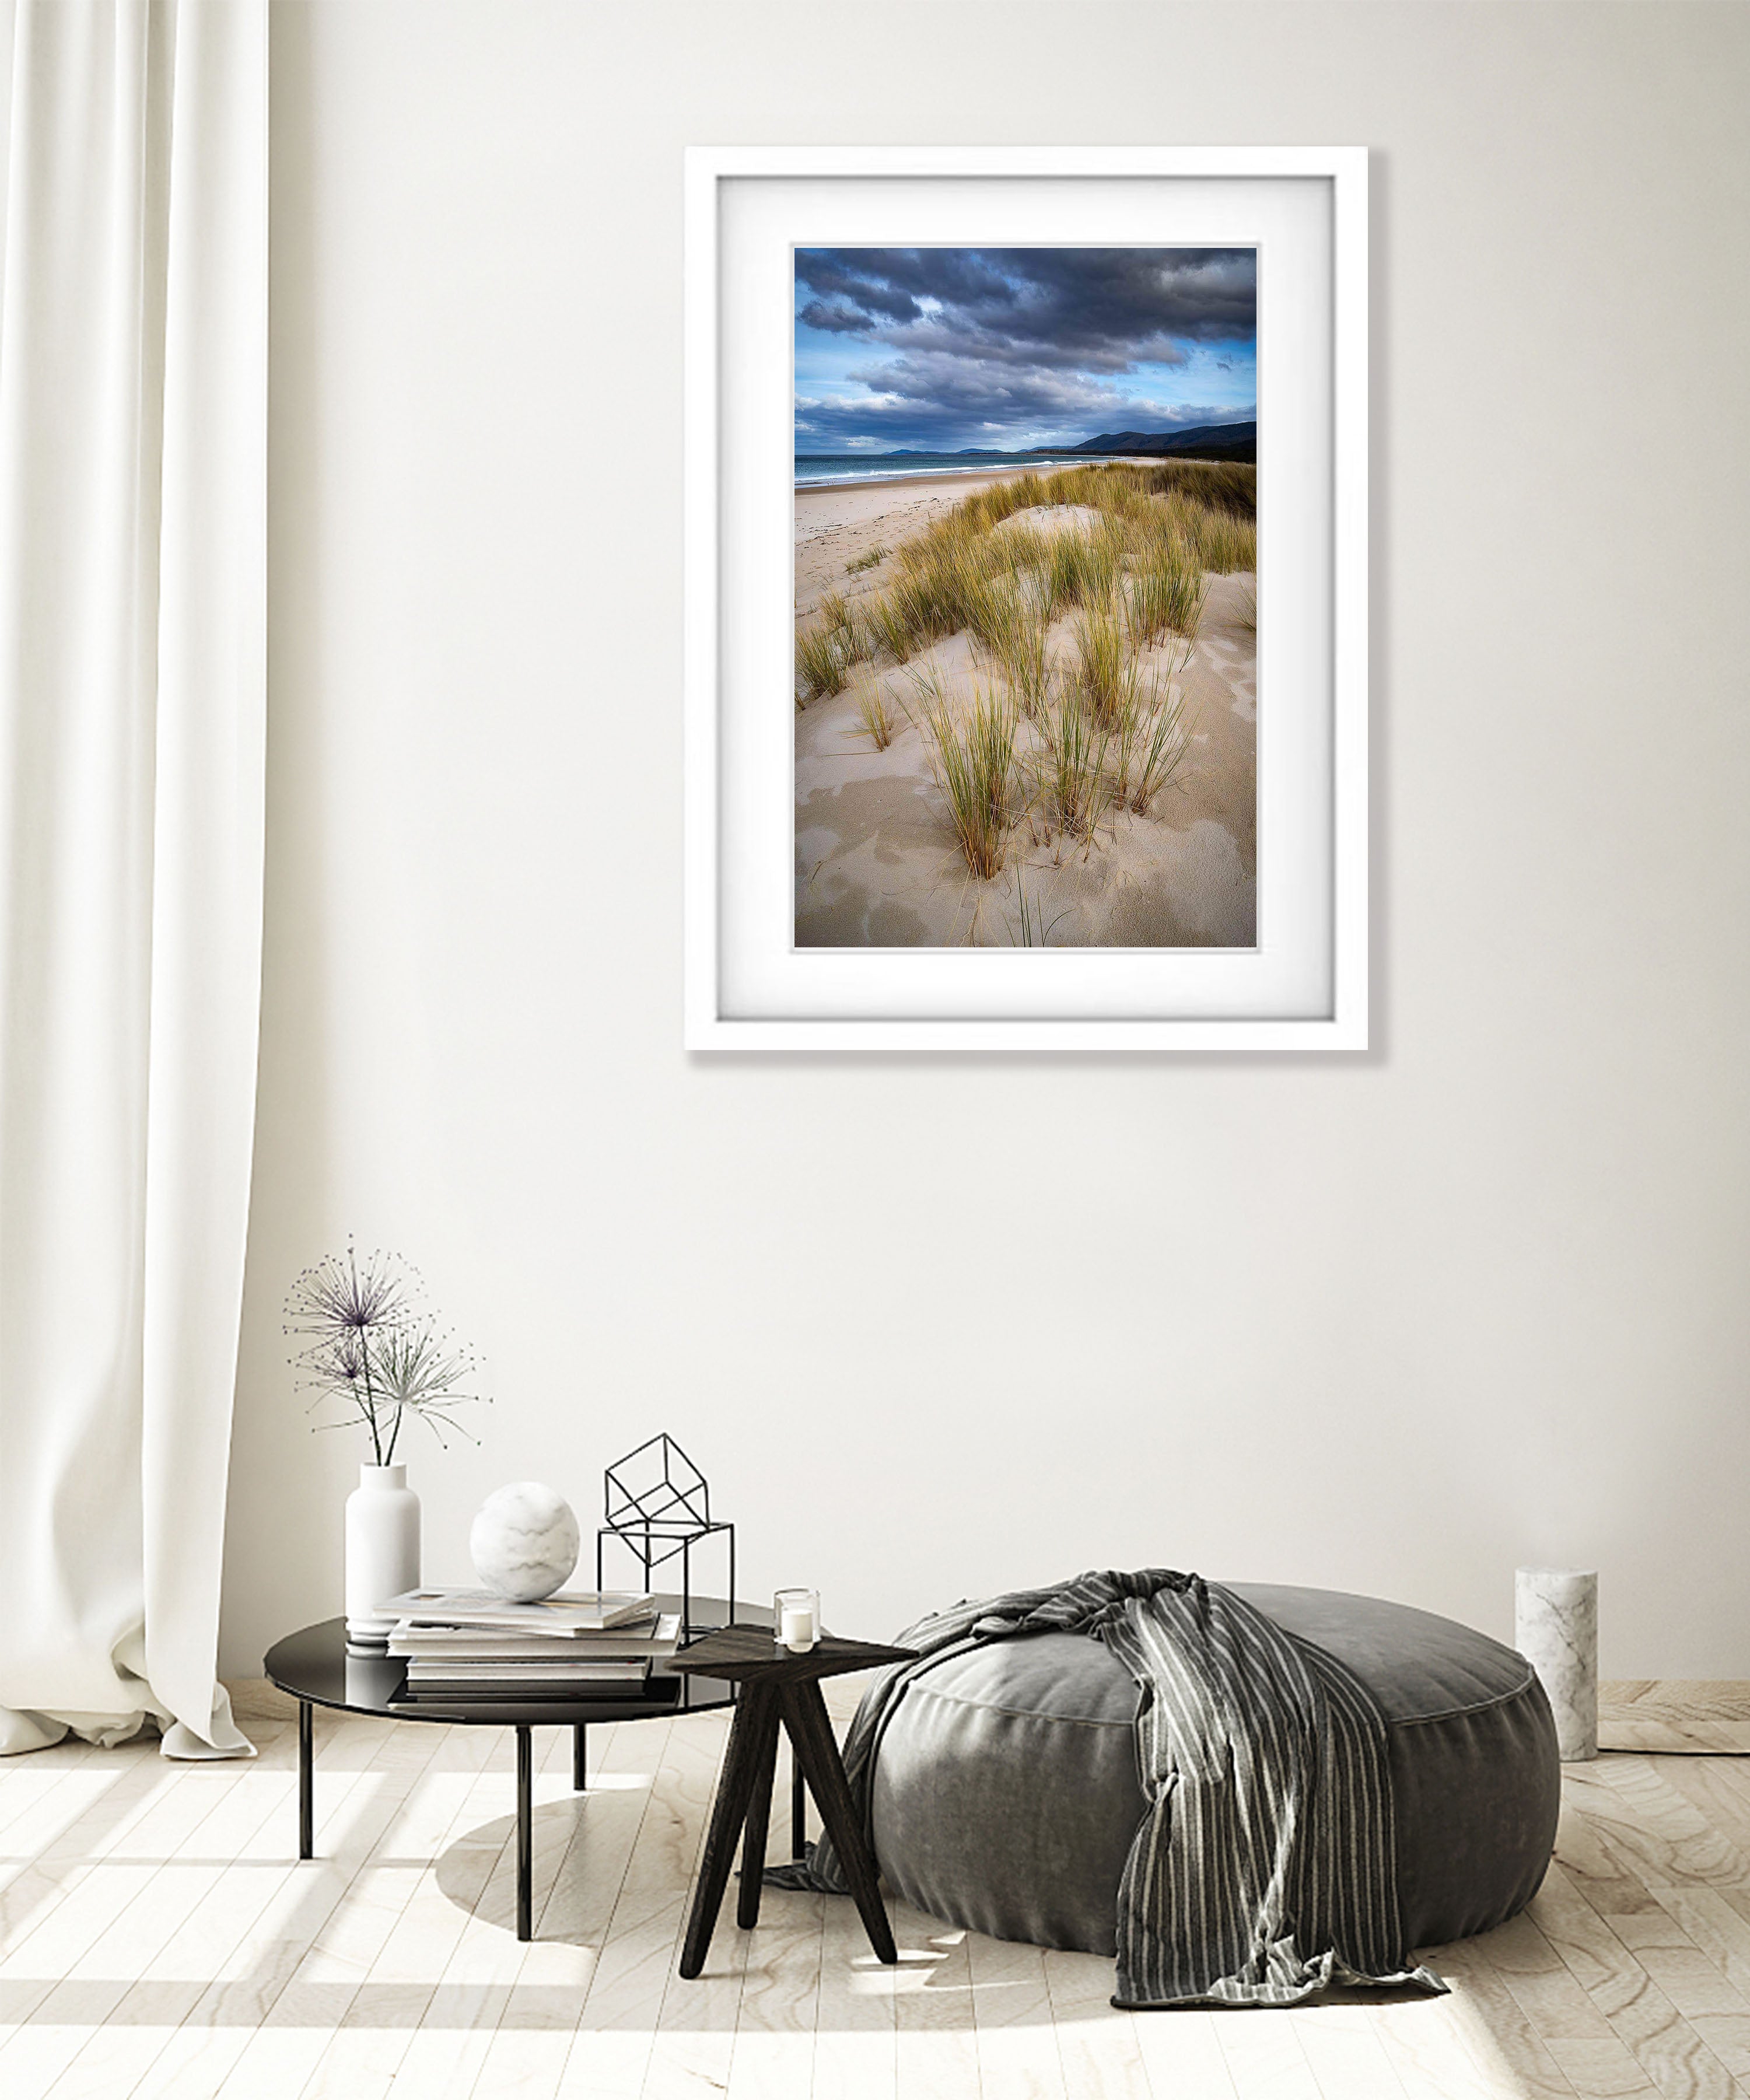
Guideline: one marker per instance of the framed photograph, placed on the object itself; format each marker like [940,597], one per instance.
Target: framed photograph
[1026,599]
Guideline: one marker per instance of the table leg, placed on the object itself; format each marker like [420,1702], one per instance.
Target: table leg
[804,1712]
[765,1754]
[525,1834]
[728,1813]
[306,1782]
[580,1756]
[797,1809]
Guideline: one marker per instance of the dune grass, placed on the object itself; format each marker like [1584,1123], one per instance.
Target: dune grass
[1105,667]
[1161,529]
[889,627]
[1098,730]
[1150,738]
[820,665]
[1221,484]
[1165,597]
[924,607]
[1070,769]
[974,764]
[1036,930]
[835,614]
[1019,652]
[1162,748]
[874,713]
[1224,544]
[990,605]
[826,650]
[1083,569]
[1003,499]
[1028,551]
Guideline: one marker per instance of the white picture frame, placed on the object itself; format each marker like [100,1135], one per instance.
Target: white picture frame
[1304,987]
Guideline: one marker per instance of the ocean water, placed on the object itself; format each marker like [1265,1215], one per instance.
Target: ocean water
[813,469]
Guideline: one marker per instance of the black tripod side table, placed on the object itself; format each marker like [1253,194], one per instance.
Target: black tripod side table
[776,1686]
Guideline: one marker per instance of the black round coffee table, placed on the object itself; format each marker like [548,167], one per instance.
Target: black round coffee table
[314,1667]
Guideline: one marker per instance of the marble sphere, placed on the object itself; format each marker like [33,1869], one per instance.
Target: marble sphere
[524,1541]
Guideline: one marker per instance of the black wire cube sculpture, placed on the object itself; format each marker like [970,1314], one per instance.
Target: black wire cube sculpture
[657,1504]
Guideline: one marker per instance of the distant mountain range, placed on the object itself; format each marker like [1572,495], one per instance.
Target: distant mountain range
[1208,441]
[1225,441]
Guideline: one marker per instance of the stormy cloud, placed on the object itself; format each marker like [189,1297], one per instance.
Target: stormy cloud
[941,348]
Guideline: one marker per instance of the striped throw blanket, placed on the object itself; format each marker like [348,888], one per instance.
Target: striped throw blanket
[1265,1867]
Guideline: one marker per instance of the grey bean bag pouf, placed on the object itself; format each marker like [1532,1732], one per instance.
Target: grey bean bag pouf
[1005,1794]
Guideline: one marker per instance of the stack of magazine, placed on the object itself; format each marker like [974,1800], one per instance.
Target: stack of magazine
[468,1647]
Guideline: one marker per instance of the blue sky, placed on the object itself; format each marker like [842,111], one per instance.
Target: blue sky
[940,349]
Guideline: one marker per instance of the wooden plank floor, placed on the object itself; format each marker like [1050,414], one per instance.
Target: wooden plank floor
[1674,1714]
[159,1940]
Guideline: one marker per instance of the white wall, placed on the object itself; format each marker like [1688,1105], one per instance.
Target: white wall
[939,1326]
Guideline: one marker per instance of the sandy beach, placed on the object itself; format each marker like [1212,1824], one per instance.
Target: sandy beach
[837,523]
[877,863]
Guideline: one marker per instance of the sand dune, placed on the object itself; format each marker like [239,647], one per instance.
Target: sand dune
[877,864]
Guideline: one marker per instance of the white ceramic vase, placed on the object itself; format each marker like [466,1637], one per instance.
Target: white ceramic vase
[382,1551]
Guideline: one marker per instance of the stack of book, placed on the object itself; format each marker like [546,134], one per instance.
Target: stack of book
[468,1647]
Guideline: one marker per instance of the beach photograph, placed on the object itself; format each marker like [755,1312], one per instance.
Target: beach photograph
[1026,598]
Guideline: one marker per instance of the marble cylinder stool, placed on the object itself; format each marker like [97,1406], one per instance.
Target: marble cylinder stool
[1556,1629]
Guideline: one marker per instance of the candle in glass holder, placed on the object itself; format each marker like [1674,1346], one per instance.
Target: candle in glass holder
[796,1619]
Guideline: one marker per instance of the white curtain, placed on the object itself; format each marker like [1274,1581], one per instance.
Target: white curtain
[133,453]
